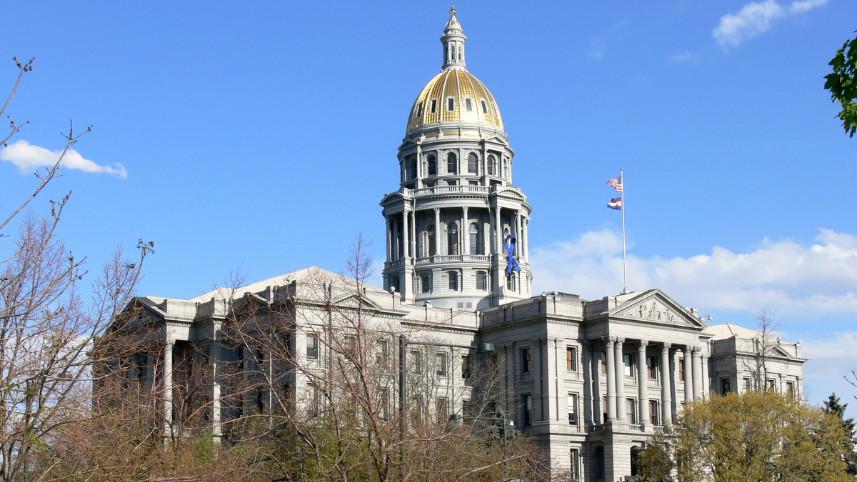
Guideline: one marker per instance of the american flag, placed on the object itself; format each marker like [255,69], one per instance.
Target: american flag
[615,183]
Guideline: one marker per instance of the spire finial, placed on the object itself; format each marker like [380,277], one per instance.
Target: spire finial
[453,42]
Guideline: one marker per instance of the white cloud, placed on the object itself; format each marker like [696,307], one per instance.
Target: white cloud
[29,157]
[788,277]
[830,361]
[756,18]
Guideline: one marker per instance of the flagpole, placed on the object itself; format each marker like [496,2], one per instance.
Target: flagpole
[624,242]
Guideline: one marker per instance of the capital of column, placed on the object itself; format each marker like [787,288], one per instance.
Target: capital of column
[644,343]
[666,346]
[619,340]
[608,340]
[696,348]
[679,351]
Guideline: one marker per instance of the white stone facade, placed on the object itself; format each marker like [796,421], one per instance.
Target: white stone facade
[589,380]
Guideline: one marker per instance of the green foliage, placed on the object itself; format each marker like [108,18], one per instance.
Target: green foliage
[836,408]
[655,460]
[842,84]
[753,436]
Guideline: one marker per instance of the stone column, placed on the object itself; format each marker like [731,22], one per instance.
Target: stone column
[526,234]
[697,373]
[666,391]
[168,387]
[588,416]
[465,231]
[214,360]
[688,374]
[389,239]
[644,383]
[518,234]
[676,356]
[406,231]
[620,380]
[414,234]
[397,241]
[611,381]
[597,409]
[498,232]
[706,389]
[437,231]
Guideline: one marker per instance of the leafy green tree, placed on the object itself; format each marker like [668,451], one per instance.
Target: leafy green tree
[836,408]
[842,84]
[655,460]
[751,436]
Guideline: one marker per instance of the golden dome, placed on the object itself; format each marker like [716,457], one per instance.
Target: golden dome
[455,96]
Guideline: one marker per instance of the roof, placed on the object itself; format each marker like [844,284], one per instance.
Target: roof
[728,330]
[304,274]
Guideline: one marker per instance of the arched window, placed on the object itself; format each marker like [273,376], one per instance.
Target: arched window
[451,163]
[452,239]
[473,163]
[428,241]
[475,239]
[510,282]
[481,281]
[492,166]
[506,168]
[425,283]
[432,165]
[453,280]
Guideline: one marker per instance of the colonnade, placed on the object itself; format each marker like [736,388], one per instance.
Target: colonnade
[402,234]
[691,361]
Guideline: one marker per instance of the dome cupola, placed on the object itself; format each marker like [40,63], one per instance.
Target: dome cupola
[455,96]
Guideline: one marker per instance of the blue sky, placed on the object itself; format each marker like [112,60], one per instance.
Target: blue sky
[260,136]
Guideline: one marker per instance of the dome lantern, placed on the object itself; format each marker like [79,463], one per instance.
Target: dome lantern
[453,40]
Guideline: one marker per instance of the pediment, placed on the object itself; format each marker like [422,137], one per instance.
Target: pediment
[354,300]
[655,306]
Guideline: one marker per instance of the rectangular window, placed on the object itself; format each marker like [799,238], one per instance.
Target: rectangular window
[526,410]
[416,362]
[312,346]
[382,358]
[771,385]
[315,401]
[441,410]
[433,106]
[416,409]
[384,409]
[484,107]
[572,409]
[349,345]
[440,361]
[465,366]
[654,413]
[725,386]
[571,359]
[681,369]
[450,104]
[629,365]
[748,384]
[631,410]
[468,104]
[468,410]
[603,409]
[790,389]
[525,360]
[653,367]
[575,464]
